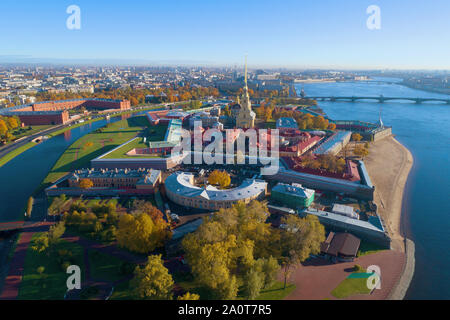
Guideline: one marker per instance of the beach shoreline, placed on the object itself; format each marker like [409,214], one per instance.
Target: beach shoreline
[389,164]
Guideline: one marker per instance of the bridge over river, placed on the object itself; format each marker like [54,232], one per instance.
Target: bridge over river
[380,99]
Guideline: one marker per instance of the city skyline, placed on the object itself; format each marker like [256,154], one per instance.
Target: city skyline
[294,34]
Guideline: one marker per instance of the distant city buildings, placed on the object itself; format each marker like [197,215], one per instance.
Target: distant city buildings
[56,112]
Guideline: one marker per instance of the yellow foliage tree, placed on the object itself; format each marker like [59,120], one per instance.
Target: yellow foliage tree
[152,281]
[189,296]
[86,183]
[139,233]
[221,178]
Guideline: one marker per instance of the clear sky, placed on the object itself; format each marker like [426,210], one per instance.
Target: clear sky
[289,33]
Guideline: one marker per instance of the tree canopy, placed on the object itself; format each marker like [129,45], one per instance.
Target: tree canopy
[152,281]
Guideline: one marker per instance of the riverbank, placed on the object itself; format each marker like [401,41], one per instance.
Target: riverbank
[52,132]
[389,164]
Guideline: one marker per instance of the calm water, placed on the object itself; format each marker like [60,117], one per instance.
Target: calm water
[22,175]
[425,131]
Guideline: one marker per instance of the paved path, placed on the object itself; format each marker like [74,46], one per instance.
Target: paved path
[14,278]
[316,279]
[104,286]
[110,249]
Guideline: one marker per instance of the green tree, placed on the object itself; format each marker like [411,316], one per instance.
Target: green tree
[152,281]
[270,269]
[40,243]
[253,283]
[55,233]
[301,238]
[189,296]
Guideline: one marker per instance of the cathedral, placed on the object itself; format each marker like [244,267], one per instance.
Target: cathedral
[245,117]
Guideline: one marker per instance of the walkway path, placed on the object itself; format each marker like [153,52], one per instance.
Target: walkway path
[104,286]
[14,278]
[316,279]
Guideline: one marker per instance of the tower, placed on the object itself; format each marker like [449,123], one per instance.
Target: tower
[246,117]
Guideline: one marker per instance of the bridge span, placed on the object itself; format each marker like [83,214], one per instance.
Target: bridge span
[380,99]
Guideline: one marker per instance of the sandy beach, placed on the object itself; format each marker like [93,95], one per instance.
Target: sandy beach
[389,164]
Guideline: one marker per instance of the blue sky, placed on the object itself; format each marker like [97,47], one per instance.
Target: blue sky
[290,33]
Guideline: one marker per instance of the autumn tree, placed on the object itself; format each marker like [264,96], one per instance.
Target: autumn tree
[221,178]
[356,137]
[331,126]
[139,233]
[152,281]
[12,122]
[189,296]
[88,144]
[300,238]
[3,128]
[56,205]
[253,283]
[40,243]
[29,206]
[55,233]
[269,268]
[226,244]
[86,183]
[361,151]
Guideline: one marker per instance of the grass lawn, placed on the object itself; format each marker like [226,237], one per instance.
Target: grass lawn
[276,292]
[22,132]
[155,133]
[104,266]
[94,144]
[51,284]
[122,292]
[350,287]
[368,248]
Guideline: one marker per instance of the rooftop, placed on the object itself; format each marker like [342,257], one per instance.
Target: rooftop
[180,183]
[295,189]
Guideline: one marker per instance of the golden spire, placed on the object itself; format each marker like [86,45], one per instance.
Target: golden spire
[245,71]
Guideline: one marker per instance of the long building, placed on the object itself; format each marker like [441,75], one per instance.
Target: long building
[55,112]
[107,182]
[371,230]
[180,189]
[334,143]
[362,188]
[369,131]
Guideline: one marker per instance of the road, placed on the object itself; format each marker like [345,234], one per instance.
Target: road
[14,145]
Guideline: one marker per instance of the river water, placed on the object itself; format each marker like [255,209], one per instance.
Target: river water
[424,129]
[20,177]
